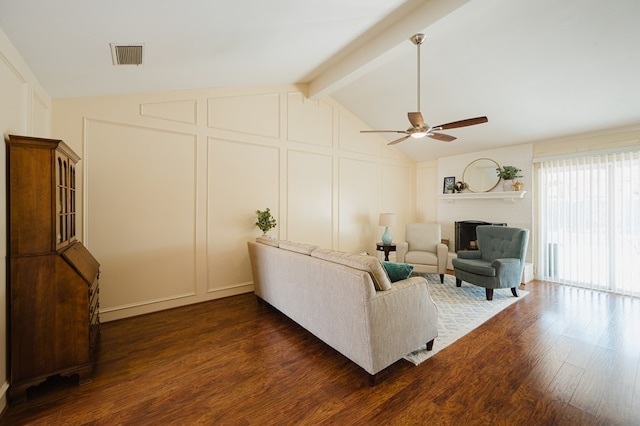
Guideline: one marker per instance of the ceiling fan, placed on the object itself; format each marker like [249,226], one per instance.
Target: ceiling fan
[418,127]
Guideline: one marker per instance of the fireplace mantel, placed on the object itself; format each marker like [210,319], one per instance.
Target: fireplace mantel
[494,195]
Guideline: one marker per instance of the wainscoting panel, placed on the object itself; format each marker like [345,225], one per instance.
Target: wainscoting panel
[140,192]
[309,121]
[350,138]
[309,198]
[257,114]
[242,178]
[358,205]
[179,111]
[174,180]
[397,186]
[13,102]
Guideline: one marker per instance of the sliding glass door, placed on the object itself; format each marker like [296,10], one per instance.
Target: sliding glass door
[589,221]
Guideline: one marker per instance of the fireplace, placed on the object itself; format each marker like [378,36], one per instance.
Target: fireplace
[465,233]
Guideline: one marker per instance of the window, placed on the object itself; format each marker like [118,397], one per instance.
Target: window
[589,222]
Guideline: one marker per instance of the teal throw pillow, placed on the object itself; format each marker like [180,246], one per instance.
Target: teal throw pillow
[397,271]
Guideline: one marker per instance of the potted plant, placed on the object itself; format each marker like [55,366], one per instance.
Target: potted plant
[265,221]
[508,174]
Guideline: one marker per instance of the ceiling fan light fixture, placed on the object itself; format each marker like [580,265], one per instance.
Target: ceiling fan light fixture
[418,127]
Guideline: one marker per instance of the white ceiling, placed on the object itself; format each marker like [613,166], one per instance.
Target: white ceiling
[538,69]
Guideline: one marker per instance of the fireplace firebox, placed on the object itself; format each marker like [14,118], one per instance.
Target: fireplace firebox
[465,233]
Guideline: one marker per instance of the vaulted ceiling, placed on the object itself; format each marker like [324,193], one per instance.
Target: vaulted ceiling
[539,69]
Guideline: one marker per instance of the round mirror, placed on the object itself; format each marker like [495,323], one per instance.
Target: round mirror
[480,175]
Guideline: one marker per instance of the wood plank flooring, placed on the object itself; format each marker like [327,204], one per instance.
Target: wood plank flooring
[560,356]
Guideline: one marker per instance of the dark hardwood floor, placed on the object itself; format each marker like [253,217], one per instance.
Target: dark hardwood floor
[559,356]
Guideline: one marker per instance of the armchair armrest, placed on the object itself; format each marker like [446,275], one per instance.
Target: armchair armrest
[508,269]
[401,251]
[442,253]
[469,254]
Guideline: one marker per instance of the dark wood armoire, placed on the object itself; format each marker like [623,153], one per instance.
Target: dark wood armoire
[52,278]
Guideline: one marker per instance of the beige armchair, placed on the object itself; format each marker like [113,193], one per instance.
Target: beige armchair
[423,249]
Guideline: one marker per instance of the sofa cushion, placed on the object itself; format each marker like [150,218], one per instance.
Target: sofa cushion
[297,247]
[268,241]
[397,271]
[367,263]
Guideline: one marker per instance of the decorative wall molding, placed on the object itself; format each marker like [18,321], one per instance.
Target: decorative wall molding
[179,111]
[350,138]
[200,184]
[257,114]
[309,122]
[142,181]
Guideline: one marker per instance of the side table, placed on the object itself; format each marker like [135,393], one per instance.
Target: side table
[386,248]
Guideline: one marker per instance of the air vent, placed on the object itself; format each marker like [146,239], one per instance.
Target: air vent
[127,54]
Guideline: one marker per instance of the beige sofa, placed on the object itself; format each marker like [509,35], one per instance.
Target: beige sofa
[346,300]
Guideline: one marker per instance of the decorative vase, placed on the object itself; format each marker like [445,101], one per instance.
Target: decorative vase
[386,237]
[507,184]
[518,186]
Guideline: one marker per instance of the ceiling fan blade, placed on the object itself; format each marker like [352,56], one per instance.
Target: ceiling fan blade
[462,123]
[416,119]
[382,131]
[442,137]
[399,140]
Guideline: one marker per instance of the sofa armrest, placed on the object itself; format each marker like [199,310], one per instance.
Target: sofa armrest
[401,251]
[469,254]
[407,300]
[404,295]
[409,282]
[402,315]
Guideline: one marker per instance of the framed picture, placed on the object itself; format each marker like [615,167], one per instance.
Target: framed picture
[449,182]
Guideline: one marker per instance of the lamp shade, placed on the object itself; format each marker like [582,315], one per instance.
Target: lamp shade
[387,219]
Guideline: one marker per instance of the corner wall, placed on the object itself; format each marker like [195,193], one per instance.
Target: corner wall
[25,109]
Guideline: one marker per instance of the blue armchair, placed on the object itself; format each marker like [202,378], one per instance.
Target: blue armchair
[498,262]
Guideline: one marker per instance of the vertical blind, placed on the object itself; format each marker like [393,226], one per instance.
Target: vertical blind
[589,222]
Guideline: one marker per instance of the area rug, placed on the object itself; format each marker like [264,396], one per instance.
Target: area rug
[460,310]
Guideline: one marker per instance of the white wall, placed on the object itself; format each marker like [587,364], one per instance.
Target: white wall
[172,181]
[25,109]
[427,192]
[518,213]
